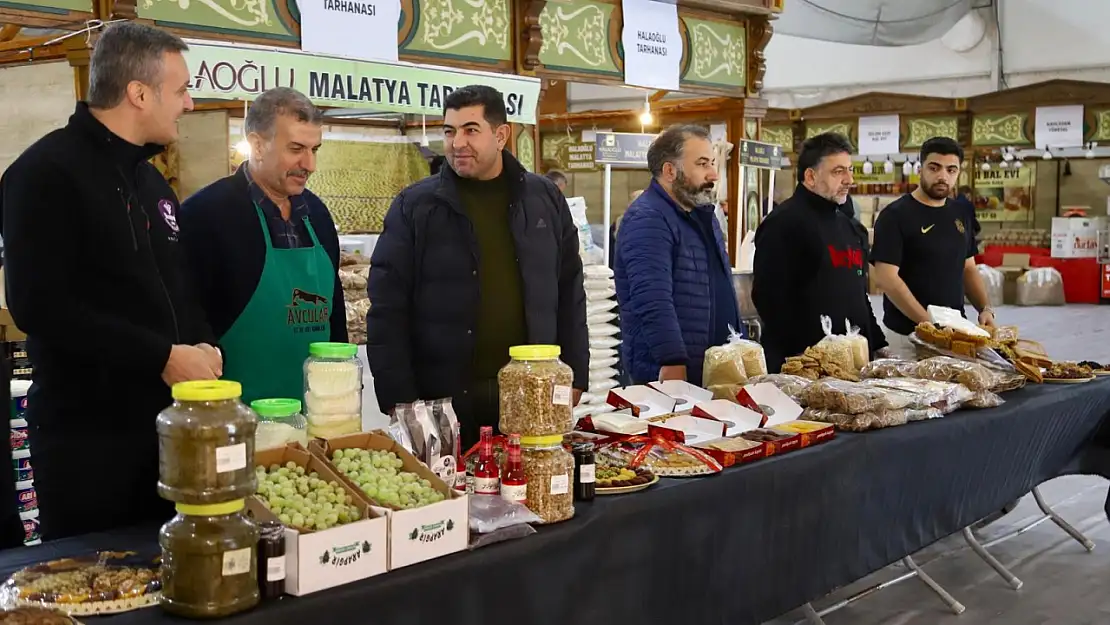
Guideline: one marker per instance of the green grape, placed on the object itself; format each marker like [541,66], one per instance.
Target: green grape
[297,520]
[285,519]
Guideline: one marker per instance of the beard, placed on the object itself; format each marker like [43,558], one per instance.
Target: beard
[691,195]
[936,191]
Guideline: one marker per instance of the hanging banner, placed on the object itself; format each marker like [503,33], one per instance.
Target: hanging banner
[1005,194]
[878,134]
[652,44]
[1059,126]
[356,29]
[622,148]
[243,72]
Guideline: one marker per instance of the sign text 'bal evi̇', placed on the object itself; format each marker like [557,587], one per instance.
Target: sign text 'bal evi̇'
[244,72]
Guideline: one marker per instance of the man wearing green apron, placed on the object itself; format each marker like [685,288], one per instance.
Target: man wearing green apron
[264,251]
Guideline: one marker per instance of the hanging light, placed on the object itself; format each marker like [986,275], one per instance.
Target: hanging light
[888,166]
[1003,164]
[907,168]
[243,148]
[917,167]
[986,166]
[1017,163]
[1047,156]
[646,118]
[868,167]
[1091,149]
[424,131]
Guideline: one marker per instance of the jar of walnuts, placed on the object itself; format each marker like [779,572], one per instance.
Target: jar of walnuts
[535,392]
[549,469]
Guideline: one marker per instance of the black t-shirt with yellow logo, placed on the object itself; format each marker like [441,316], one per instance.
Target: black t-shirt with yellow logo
[929,245]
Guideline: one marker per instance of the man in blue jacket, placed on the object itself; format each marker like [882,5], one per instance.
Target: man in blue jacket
[674,281]
[264,251]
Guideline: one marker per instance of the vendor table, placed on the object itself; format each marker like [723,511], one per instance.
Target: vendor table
[739,548]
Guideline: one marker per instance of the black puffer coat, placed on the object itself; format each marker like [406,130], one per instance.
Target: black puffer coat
[423,286]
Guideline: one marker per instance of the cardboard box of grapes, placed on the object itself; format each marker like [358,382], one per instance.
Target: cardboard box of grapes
[354,543]
[427,519]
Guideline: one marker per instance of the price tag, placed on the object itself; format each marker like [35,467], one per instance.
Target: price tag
[561,395]
[560,484]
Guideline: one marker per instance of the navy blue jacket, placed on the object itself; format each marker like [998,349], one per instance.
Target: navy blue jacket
[226,250]
[664,286]
[424,285]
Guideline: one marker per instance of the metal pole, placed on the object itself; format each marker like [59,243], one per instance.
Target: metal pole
[607,209]
[770,194]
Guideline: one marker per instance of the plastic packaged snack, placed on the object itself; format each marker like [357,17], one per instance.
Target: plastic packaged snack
[733,362]
[974,376]
[489,514]
[869,420]
[841,396]
[943,396]
[984,399]
[791,385]
[889,368]
[860,349]
[1042,286]
[837,348]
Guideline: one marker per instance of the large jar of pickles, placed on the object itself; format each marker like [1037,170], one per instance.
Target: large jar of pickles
[209,561]
[549,469]
[535,392]
[333,390]
[206,444]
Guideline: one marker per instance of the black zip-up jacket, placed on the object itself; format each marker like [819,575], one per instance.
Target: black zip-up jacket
[95,278]
[424,286]
[810,260]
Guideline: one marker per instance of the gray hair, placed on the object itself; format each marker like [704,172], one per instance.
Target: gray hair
[264,111]
[668,146]
[126,52]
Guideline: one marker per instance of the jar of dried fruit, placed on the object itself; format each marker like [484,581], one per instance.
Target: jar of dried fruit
[549,469]
[535,392]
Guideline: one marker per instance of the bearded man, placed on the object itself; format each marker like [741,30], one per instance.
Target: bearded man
[924,252]
[811,258]
[674,279]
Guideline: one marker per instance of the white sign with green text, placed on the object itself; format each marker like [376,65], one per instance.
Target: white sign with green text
[243,72]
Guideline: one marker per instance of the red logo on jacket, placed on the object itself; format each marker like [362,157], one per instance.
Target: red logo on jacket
[848,258]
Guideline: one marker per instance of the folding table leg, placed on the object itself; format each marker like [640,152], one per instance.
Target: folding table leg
[811,615]
[991,560]
[956,606]
[1064,525]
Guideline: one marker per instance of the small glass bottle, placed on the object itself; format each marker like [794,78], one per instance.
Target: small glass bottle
[460,464]
[585,474]
[514,484]
[271,560]
[487,477]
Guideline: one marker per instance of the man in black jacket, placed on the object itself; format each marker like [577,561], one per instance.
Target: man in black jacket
[810,260]
[472,261]
[264,251]
[94,278]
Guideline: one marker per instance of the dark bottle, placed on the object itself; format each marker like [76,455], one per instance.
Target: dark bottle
[271,560]
[584,472]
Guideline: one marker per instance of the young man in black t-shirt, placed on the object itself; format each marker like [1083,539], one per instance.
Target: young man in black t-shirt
[924,250]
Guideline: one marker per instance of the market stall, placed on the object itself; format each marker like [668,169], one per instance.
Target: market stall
[786,530]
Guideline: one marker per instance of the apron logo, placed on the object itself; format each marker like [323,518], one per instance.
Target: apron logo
[308,312]
[165,208]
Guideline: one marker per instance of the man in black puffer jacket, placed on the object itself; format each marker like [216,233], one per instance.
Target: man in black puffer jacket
[472,261]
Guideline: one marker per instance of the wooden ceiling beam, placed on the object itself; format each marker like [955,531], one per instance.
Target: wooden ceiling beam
[9,31]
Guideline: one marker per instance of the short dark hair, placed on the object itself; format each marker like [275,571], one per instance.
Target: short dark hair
[556,176]
[490,99]
[124,52]
[266,108]
[668,146]
[944,146]
[818,147]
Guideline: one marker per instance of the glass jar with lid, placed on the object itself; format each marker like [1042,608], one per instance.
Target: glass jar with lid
[333,390]
[279,422]
[209,561]
[535,392]
[549,470]
[206,444]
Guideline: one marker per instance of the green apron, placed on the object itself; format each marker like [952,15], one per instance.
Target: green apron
[266,347]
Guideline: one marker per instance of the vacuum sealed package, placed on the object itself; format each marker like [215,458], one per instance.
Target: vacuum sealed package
[842,396]
[443,413]
[791,385]
[397,429]
[423,432]
[889,368]
[946,397]
[974,376]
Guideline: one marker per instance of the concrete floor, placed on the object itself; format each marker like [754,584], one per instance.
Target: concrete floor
[1064,585]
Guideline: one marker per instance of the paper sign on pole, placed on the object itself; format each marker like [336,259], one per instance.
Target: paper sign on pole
[878,134]
[1059,126]
[652,44]
[356,29]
